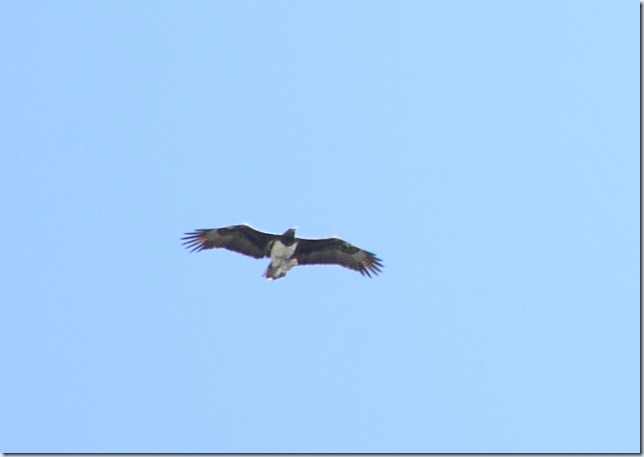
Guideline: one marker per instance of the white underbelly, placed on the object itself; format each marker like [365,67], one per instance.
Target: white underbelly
[279,251]
[281,260]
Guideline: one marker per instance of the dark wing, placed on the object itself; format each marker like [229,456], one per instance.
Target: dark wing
[238,238]
[338,252]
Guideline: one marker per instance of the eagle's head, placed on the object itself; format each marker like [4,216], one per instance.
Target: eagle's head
[288,236]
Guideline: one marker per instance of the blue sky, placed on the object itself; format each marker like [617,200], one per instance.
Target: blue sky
[487,151]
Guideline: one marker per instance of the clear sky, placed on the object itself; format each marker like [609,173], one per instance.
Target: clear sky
[487,151]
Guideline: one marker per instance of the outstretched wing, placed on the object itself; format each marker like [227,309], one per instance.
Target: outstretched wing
[338,252]
[238,238]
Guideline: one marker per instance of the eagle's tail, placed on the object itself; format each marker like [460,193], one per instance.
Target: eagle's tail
[278,270]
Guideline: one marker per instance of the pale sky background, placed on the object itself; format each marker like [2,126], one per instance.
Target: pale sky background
[487,151]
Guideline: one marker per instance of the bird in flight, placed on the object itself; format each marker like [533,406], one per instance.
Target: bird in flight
[285,250]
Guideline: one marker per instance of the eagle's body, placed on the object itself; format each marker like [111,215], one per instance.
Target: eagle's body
[285,250]
[281,255]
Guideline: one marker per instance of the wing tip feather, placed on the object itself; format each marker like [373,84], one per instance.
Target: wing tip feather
[195,241]
[370,265]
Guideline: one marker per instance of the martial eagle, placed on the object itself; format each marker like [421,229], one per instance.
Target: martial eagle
[285,250]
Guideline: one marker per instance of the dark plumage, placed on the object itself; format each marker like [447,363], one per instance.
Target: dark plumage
[285,250]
